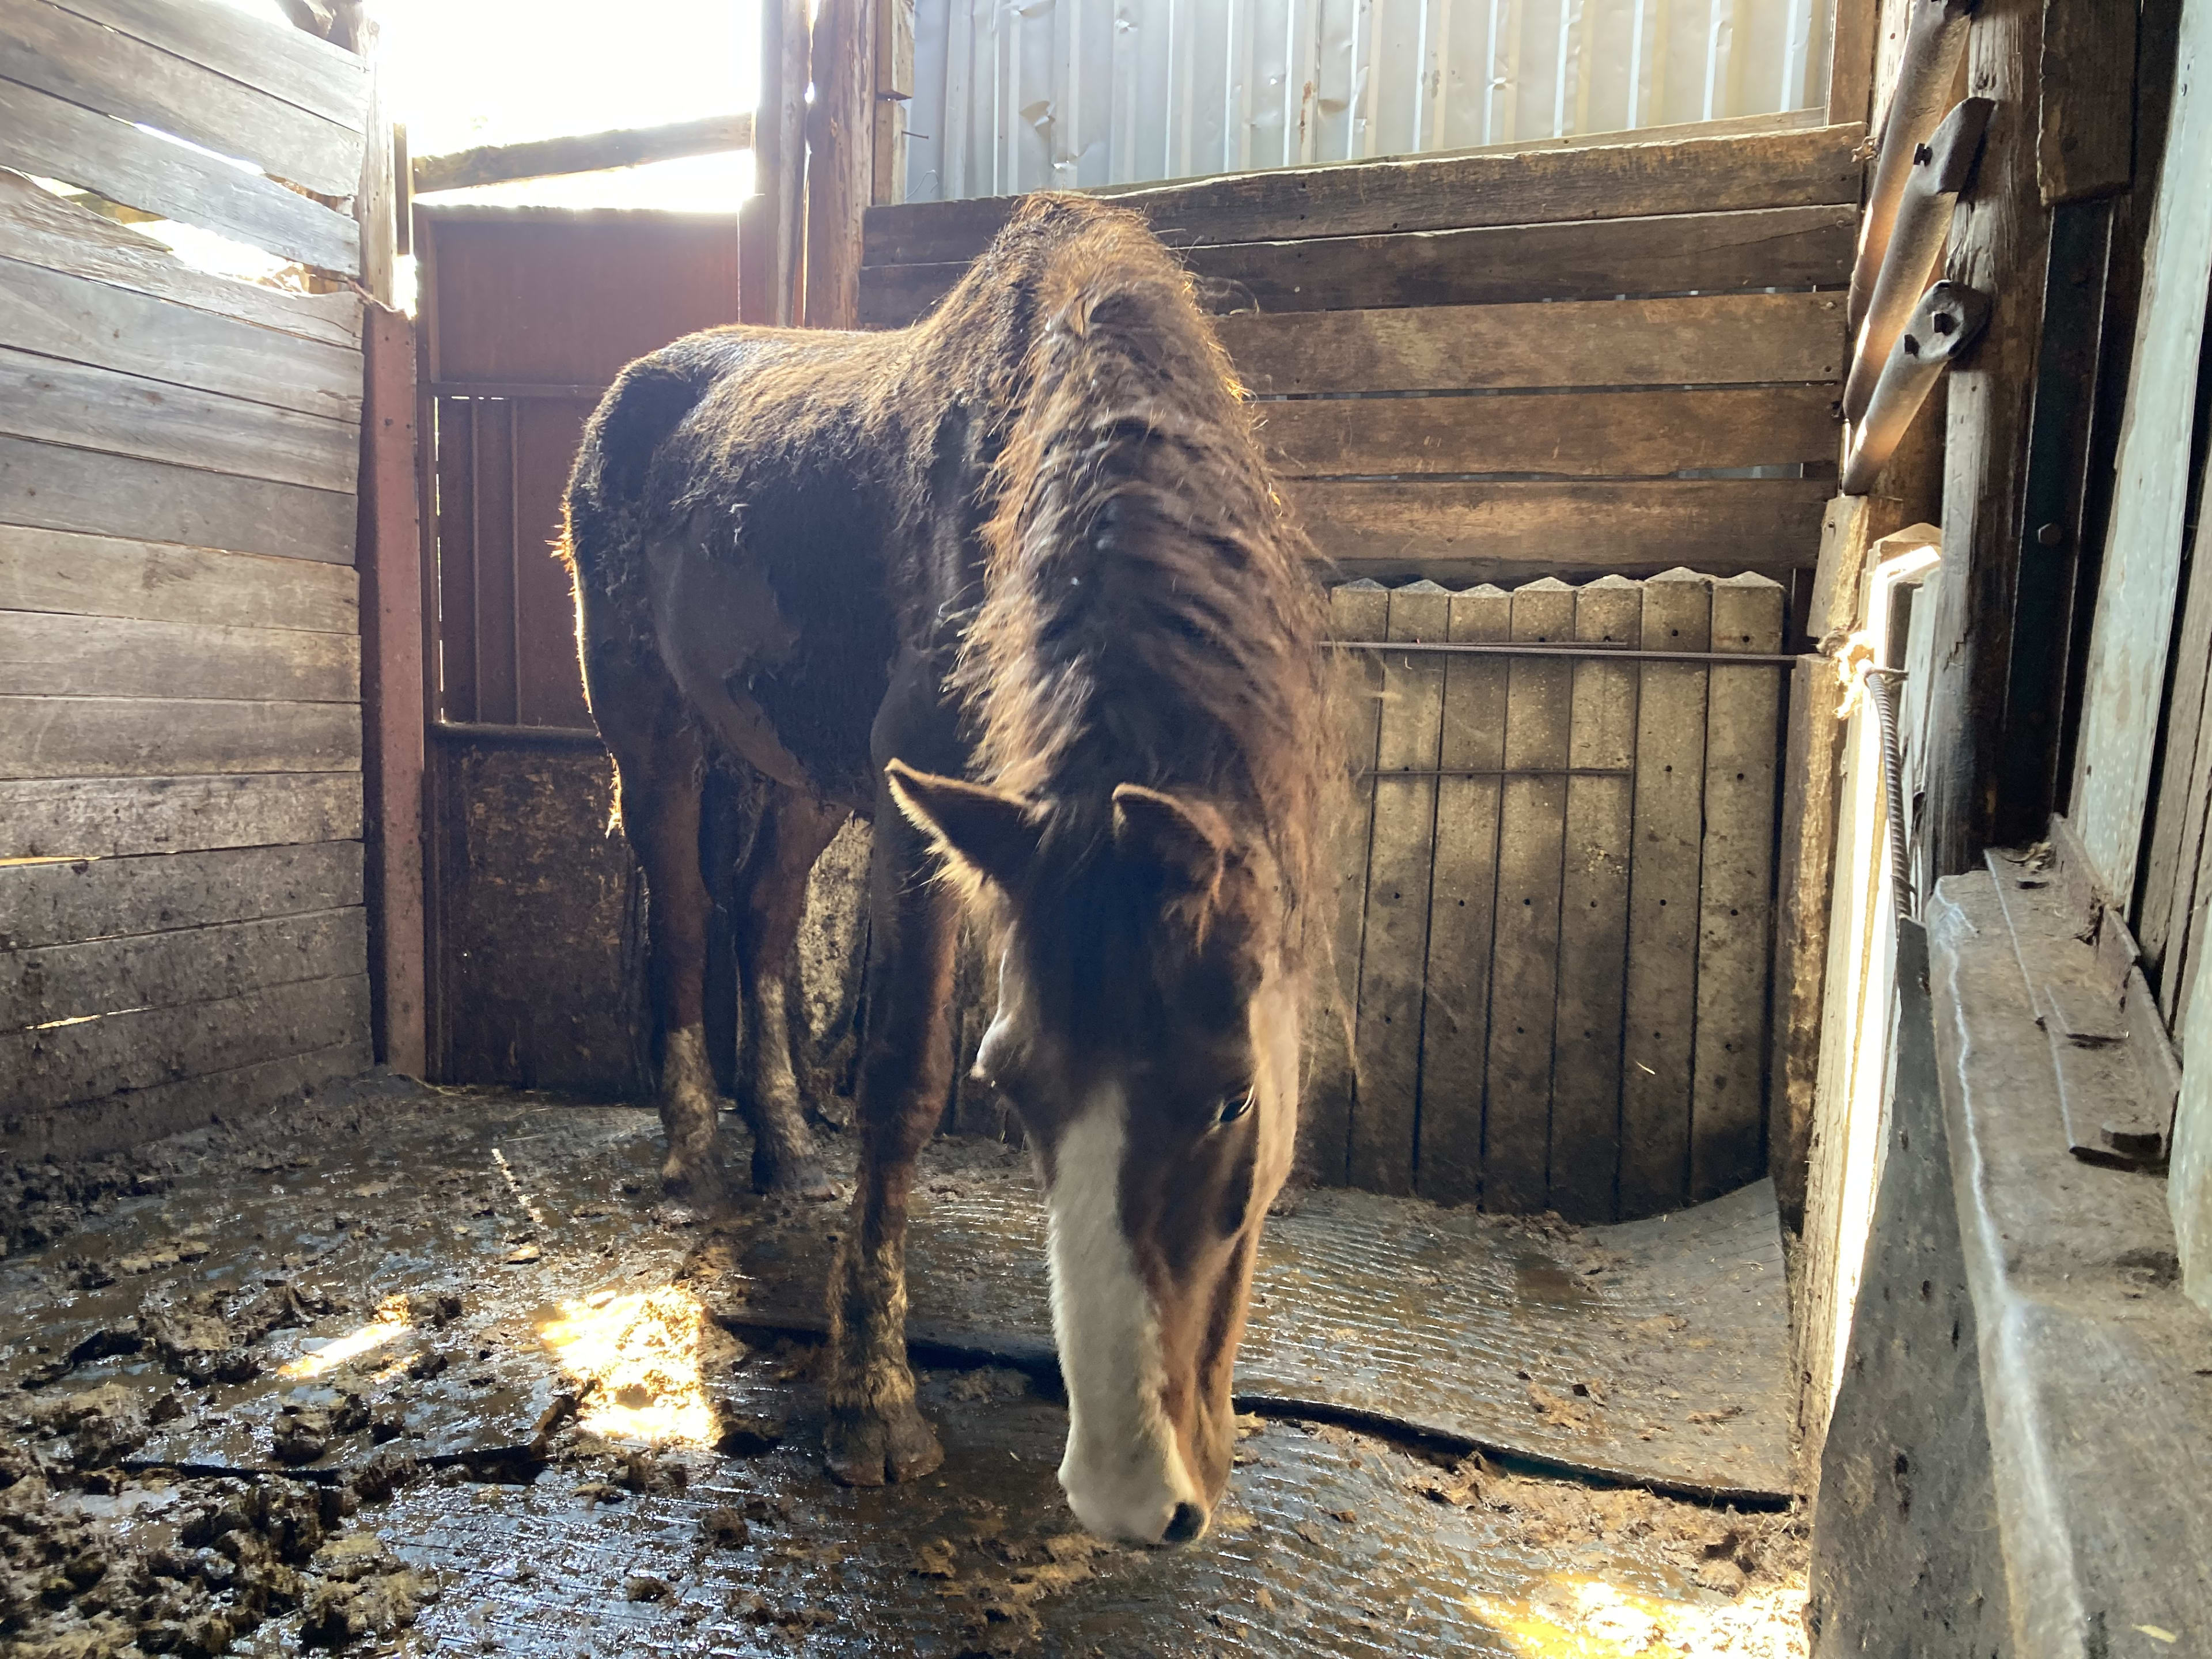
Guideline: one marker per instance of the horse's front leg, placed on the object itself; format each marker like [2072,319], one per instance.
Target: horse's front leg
[876,1433]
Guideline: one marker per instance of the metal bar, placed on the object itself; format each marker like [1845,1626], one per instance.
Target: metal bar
[1502,772]
[1734,658]
[1935,39]
[514,389]
[527,737]
[1940,170]
[1947,319]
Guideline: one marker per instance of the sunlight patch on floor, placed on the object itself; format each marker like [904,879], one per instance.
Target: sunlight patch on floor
[1582,1617]
[388,1326]
[644,1358]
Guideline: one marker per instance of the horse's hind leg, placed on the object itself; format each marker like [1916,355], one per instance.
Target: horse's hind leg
[660,767]
[771,901]
[876,1432]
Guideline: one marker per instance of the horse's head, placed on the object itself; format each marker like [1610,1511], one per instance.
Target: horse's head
[1147,1034]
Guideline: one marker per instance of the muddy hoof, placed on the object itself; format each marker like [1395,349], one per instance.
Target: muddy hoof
[700,1183]
[791,1177]
[869,1449]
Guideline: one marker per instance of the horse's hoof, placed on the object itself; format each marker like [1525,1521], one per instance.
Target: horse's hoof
[791,1177]
[867,1448]
[699,1184]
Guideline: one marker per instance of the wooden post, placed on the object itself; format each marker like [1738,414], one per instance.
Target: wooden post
[840,168]
[771,225]
[1813,753]
[893,89]
[375,205]
[1850,61]
[392,689]
[1999,239]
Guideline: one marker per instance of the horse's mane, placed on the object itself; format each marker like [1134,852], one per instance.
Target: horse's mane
[1152,613]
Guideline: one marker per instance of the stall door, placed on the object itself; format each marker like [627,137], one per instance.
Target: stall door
[535,912]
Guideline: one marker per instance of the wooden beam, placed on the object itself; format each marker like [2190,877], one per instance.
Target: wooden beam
[1813,757]
[772,223]
[377,207]
[2085,136]
[840,164]
[592,152]
[1999,241]
[1851,59]
[119,818]
[1815,167]
[392,714]
[286,62]
[893,89]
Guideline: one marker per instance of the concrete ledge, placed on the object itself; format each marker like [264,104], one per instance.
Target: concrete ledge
[2095,1371]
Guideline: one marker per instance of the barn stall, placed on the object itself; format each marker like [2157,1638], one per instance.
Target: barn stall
[345,1306]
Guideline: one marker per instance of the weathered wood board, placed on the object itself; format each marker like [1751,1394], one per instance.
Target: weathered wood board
[120,818]
[67,901]
[43,655]
[1668,828]
[1462,903]
[48,736]
[1394,952]
[65,574]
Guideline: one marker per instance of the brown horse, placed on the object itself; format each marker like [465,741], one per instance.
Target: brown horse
[1015,582]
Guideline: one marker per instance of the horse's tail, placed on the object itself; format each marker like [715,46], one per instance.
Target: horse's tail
[639,413]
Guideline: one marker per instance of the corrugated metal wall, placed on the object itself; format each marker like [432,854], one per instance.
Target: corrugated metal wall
[1029,94]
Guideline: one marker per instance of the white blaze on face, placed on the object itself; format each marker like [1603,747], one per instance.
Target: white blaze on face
[1123,1472]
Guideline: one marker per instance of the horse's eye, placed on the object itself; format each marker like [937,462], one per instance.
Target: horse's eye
[1233,1106]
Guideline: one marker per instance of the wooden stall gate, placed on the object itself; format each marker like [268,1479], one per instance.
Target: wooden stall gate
[182,921]
[534,909]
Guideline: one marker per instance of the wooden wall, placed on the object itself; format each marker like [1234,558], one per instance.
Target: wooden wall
[181,929]
[1495,368]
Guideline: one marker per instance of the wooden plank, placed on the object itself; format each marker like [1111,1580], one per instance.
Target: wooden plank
[589,152]
[2168,900]
[894,89]
[1571,434]
[1462,905]
[286,63]
[41,134]
[2189,1183]
[2085,139]
[129,737]
[1734,902]
[120,818]
[1601,259]
[1662,898]
[1525,951]
[1585,1130]
[68,902]
[2137,590]
[63,403]
[1510,530]
[59,315]
[1808,167]
[136,1116]
[58,572]
[182,965]
[39,228]
[1357,610]
[150,1046]
[1394,943]
[46,655]
[392,695]
[65,53]
[53,487]
[1708,339]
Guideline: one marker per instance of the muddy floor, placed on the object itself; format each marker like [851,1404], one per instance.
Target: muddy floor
[410,1371]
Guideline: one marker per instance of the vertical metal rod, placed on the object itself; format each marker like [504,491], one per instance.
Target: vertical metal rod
[515,550]
[475,556]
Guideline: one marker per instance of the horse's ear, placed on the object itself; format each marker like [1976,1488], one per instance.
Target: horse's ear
[991,832]
[1187,841]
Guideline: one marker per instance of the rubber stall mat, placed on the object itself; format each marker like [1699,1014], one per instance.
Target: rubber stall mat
[1656,1352]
